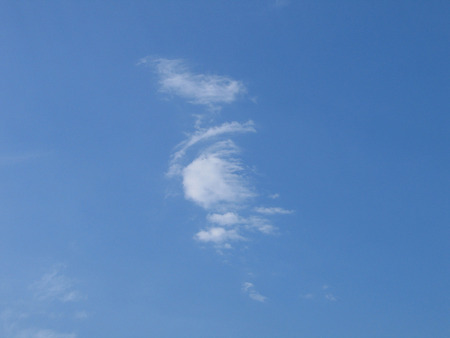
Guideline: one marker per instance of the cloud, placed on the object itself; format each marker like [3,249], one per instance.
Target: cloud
[229,226]
[324,292]
[257,296]
[330,297]
[47,301]
[249,289]
[12,327]
[261,224]
[233,219]
[229,218]
[273,211]
[204,134]
[218,235]
[214,179]
[281,3]
[217,181]
[39,333]
[55,286]
[203,89]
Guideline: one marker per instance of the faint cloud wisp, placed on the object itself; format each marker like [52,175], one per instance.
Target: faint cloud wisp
[55,286]
[47,299]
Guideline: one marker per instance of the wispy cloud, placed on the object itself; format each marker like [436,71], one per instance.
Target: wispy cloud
[229,227]
[273,211]
[226,219]
[42,333]
[307,296]
[323,293]
[55,286]
[249,289]
[330,297]
[45,301]
[204,89]
[208,133]
[259,223]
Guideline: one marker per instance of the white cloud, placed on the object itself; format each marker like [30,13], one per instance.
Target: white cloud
[55,286]
[249,289]
[204,89]
[257,296]
[261,224]
[251,223]
[215,178]
[246,286]
[229,218]
[204,134]
[39,333]
[218,235]
[273,211]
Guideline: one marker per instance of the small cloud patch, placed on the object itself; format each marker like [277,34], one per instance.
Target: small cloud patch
[249,289]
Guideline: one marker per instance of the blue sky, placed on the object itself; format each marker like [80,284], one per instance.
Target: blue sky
[224,169]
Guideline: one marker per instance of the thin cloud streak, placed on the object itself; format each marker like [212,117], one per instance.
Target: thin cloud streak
[205,134]
[273,211]
[39,333]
